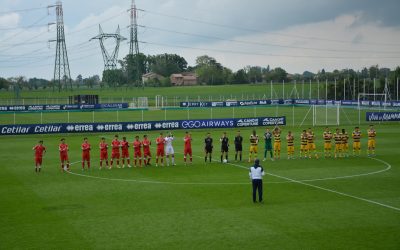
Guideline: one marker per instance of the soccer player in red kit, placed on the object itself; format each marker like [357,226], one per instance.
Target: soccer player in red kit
[160,149]
[39,151]
[188,147]
[137,152]
[63,148]
[146,150]
[85,153]
[125,152]
[116,144]
[103,152]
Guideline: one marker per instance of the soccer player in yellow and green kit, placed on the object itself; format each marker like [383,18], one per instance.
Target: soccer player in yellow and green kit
[303,146]
[253,146]
[371,140]
[277,143]
[311,144]
[356,135]
[327,142]
[290,145]
[345,143]
[338,143]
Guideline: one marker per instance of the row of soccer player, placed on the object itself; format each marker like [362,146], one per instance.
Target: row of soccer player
[119,151]
[308,147]
[164,147]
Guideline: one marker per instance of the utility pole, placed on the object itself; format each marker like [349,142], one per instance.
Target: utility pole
[62,75]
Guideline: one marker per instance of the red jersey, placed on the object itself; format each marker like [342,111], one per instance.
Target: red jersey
[160,142]
[85,147]
[188,142]
[137,146]
[146,145]
[63,148]
[115,145]
[124,146]
[103,147]
[39,149]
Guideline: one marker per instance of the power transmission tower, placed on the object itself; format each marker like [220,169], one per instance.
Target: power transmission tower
[133,43]
[110,60]
[62,74]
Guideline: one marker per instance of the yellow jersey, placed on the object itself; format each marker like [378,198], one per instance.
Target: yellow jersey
[310,137]
[303,139]
[338,138]
[277,136]
[371,134]
[345,138]
[253,140]
[290,140]
[327,136]
[356,135]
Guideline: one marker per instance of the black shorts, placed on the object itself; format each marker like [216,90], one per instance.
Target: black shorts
[208,149]
[224,149]
[238,147]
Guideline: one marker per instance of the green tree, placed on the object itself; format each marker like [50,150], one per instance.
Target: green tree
[113,78]
[4,83]
[240,77]
[167,64]
[133,67]
[209,71]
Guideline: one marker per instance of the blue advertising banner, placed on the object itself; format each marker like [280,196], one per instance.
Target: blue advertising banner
[138,126]
[383,116]
[15,108]
[289,102]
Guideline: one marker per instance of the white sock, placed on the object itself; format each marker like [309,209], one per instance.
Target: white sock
[173,160]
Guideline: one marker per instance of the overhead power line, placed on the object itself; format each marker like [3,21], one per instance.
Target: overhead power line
[258,31]
[22,10]
[268,44]
[264,54]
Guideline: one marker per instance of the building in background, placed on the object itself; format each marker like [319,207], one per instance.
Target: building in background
[184,79]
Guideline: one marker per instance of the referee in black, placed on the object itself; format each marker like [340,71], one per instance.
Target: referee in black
[224,146]
[256,173]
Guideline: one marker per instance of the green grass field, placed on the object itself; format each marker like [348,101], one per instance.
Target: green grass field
[349,203]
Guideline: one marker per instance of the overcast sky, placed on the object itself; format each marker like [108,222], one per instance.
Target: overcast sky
[292,34]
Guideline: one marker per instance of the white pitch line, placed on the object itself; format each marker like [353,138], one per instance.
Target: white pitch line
[329,190]
[159,182]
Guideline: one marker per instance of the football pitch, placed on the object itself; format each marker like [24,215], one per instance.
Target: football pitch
[347,203]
